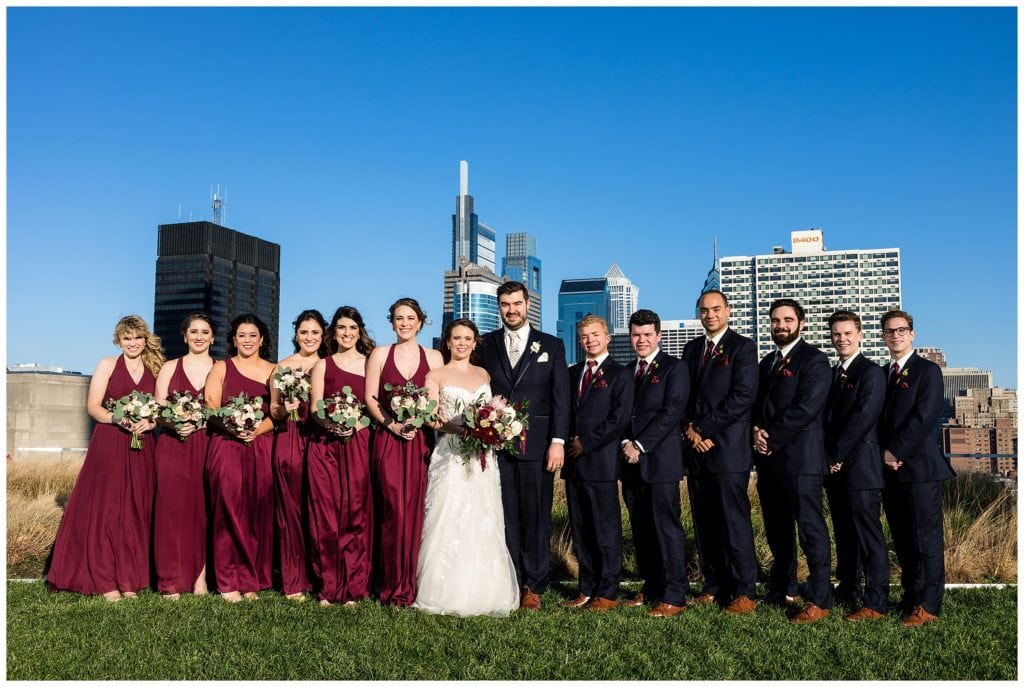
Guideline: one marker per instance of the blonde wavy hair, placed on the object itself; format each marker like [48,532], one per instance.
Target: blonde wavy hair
[153,354]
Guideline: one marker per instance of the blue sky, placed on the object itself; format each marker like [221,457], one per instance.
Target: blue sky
[612,134]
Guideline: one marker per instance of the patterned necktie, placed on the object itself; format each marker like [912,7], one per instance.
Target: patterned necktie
[587,376]
[778,362]
[513,348]
[641,370]
[707,354]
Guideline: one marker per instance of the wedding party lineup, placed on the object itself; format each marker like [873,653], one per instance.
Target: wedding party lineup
[353,470]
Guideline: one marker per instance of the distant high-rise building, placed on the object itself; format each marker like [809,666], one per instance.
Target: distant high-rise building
[675,334]
[866,281]
[932,353]
[202,266]
[471,238]
[471,285]
[713,281]
[578,298]
[522,264]
[956,381]
[624,297]
[982,434]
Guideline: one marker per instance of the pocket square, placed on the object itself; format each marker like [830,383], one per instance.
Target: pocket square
[542,358]
[600,383]
[655,379]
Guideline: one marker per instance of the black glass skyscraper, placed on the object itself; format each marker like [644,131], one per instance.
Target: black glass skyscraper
[202,266]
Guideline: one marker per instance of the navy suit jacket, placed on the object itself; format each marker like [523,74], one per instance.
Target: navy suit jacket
[540,376]
[658,406]
[599,419]
[851,418]
[790,407]
[912,407]
[721,398]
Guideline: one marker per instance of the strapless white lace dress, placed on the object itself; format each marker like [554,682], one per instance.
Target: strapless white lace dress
[464,566]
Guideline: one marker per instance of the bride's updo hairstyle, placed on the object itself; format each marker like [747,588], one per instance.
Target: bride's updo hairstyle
[446,352]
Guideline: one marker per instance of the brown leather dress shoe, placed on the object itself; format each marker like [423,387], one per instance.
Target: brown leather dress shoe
[664,610]
[918,617]
[704,598]
[600,604]
[741,605]
[529,600]
[575,603]
[636,601]
[810,613]
[864,613]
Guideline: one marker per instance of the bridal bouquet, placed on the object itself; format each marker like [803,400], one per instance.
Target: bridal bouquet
[411,405]
[493,425]
[241,413]
[293,385]
[136,406]
[343,409]
[182,408]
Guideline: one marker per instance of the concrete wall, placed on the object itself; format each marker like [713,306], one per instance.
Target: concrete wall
[46,416]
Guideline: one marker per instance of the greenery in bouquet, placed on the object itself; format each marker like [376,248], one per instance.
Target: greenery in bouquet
[411,405]
[183,408]
[344,410]
[241,413]
[495,425]
[135,407]
[294,385]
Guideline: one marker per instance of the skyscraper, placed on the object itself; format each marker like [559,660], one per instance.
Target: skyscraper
[522,264]
[624,297]
[471,285]
[866,281]
[712,282]
[202,266]
[576,299]
[471,238]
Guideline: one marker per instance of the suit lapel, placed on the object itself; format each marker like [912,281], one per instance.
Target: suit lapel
[527,356]
[502,351]
[598,373]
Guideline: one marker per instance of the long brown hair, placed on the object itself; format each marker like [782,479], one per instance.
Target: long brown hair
[364,344]
[153,354]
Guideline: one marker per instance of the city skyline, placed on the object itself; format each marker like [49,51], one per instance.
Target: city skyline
[650,131]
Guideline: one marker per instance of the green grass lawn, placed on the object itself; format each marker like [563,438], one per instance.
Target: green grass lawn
[67,636]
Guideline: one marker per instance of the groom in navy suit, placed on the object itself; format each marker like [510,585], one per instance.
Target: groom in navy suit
[915,469]
[789,447]
[526,364]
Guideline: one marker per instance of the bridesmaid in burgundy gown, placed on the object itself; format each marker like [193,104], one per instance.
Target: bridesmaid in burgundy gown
[399,457]
[179,512]
[289,457]
[340,493]
[239,478]
[103,542]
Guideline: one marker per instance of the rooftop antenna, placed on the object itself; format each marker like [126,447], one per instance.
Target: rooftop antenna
[217,201]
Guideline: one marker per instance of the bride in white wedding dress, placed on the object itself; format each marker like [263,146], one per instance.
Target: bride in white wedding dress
[464,566]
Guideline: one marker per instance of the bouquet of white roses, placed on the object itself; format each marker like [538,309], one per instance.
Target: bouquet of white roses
[411,405]
[493,424]
[241,413]
[343,409]
[293,385]
[136,406]
[182,408]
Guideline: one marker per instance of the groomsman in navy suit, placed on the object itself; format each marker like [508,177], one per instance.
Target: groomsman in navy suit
[526,364]
[789,443]
[915,469]
[653,449]
[855,481]
[723,374]
[602,402]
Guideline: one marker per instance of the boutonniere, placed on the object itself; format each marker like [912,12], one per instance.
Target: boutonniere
[902,379]
[599,381]
[535,347]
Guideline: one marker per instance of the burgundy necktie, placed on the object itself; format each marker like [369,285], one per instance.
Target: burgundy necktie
[778,362]
[895,373]
[587,376]
[640,372]
[707,354]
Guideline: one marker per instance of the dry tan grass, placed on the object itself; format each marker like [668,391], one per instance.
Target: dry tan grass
[32,478]
[986,548]
[31,526]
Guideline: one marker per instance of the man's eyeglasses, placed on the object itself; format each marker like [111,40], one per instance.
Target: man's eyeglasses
[902,331]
